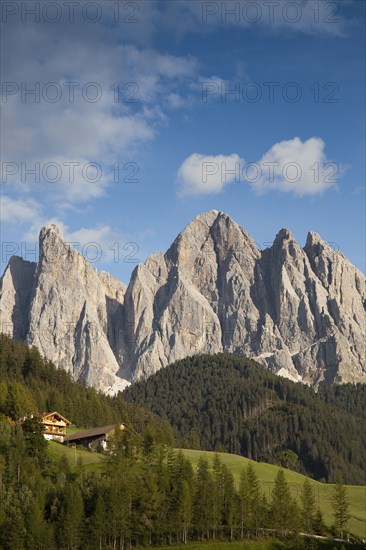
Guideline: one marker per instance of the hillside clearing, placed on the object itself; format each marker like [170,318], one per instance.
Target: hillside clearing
[323,491]
[266,473]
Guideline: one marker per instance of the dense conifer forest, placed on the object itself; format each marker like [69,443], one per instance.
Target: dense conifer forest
[230,403]
[348,397]
[143,493]
[29,384]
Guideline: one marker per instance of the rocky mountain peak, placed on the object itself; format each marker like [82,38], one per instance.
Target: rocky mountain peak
[50,234]
[52,247]
[298,311]
[50,228]
[312,239]
[284,235]
[190,241]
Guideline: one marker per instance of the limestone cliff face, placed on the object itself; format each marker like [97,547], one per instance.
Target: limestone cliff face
[69,309]
[299,311]
[15,293]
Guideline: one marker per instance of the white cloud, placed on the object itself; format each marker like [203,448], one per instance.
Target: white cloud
[176,101]
[292,166]
[295,166]
[206,174]
[17,211]
[94,242]
[72,129]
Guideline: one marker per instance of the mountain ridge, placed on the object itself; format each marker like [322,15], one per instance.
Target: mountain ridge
[299,311]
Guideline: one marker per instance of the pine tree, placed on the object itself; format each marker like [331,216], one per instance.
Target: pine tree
[119,496]
[164,466]
[228,505]
[39,532]
[218,489]
[203,500]
[294,522]
[243,498]
[148,443]
[185,509]
[318,522]
[18,503]
[254,499]
[17,458]
[307,506]
[19,401]
[72,516]
[281,503]
[99,522]
[340,506]
[181,479]
[36,445]
[149,502]
[264,516]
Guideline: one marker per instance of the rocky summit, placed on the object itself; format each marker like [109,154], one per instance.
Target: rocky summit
[299,311]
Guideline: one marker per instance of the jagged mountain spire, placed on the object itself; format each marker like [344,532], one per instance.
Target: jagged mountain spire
[298,311]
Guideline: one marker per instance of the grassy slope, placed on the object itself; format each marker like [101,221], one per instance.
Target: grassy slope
[90,460]
[323,491]
[257,545]
[266,474]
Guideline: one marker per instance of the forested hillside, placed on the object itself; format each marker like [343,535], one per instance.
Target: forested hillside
[222,402]
[145,494]
[230,403]
[29,384]
[349,397]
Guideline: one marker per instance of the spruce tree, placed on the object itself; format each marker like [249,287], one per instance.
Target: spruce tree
[150,500]
[243,500]
[99,522]
[340,506]
[35,443]
[254,499]
[318,522]
[119,497]
[218,489]
[307,499]
[281,503]
[72,516]
[228,504]
[185,510]
[39,532]
[203,500]
[181,495]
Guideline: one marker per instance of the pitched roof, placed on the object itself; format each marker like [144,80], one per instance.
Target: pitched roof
[93,432]
[58,414]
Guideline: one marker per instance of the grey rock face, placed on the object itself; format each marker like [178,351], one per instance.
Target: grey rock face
[15,294]
[300,312]
[68,310]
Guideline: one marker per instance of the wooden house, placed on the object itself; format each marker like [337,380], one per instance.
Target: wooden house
[95,437]
[55,426]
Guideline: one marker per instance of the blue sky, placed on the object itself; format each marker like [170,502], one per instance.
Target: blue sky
[182,135]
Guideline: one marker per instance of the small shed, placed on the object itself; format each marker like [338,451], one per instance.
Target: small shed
[94,437]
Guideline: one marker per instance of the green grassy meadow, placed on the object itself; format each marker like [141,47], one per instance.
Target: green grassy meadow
[266,473]
[323,491]
[90,460]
